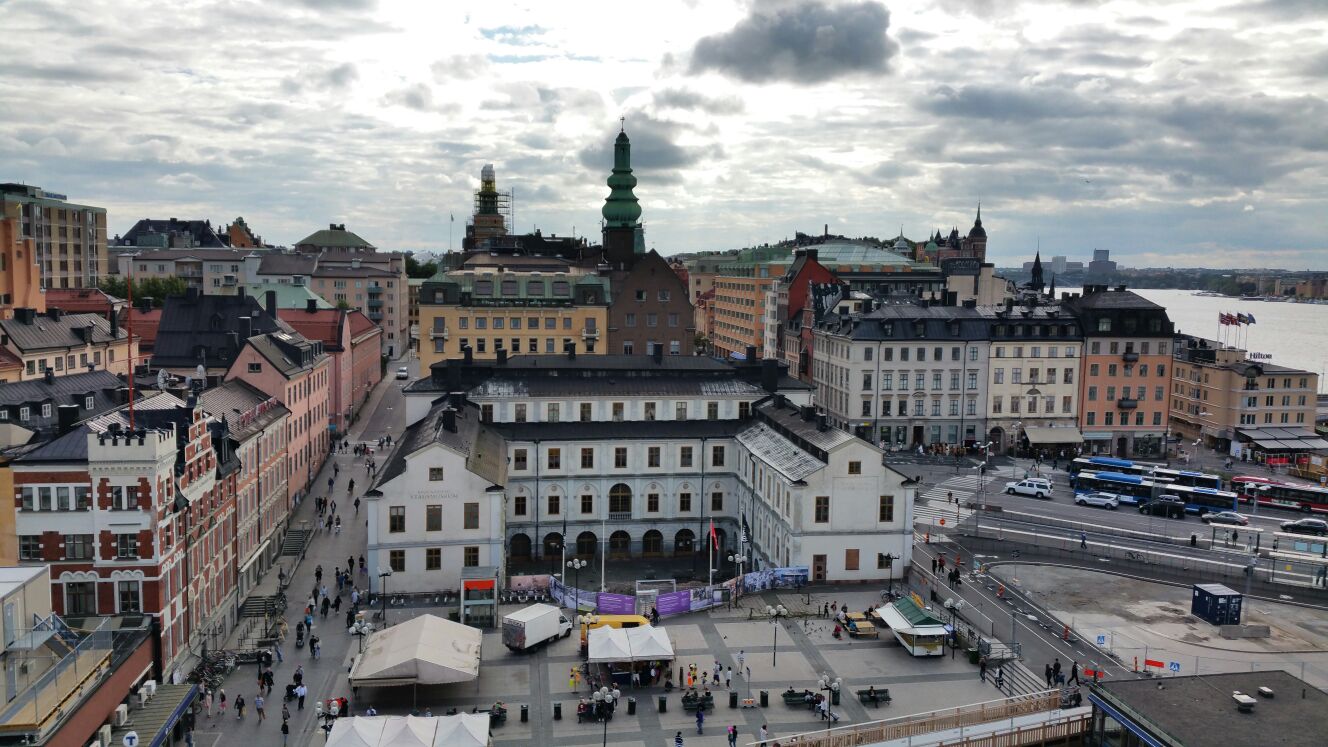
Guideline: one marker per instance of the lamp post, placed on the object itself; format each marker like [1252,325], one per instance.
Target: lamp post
[576,564]
[737,559]
[604,699]
[982,488]
[775,613]
[831,689]
[383,575]
[360,629]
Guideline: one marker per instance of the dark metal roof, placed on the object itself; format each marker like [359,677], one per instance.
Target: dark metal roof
[482,445]
[600,430]
[200,230]
[71,447]
[277,263]
[73,389]
[68,331]
[236,397]
[289,352]
[653,386]
[203,324]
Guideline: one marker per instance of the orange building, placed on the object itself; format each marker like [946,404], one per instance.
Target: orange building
[1125,387]
[20,275]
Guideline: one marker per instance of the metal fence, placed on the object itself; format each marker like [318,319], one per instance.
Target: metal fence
[35,706]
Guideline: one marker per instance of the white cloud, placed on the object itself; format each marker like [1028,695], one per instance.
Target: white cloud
[1130,125]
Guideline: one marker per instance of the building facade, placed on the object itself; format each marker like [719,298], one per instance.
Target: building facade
[1033,380]
[66,343]
[905,375]
[69,239]
[355,345]
[1125,393]
[649,308]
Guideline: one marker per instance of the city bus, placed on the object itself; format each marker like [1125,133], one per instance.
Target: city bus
[1187,477]
[1201,500]
[1276,494]
[1129,489]
[1108,464]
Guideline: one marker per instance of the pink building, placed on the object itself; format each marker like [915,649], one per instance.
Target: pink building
[356,346]
[298,374]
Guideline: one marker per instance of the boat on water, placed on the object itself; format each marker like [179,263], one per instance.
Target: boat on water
[1251,298]
[1275,299]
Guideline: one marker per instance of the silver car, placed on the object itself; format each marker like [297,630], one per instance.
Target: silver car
[1103,500]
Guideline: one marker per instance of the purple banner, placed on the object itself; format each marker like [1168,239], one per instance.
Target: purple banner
[615,604]
[673,603]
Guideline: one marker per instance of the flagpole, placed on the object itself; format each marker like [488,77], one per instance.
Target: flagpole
[711,545]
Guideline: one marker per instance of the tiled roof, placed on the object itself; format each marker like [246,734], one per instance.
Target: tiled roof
[9,361]
[286,351]
[289,295]
[325,325]
[145,325]
[233,399]
[201,231]
[619,431]
[787,420]
[333,237]
[281,263]
[360,324]
[73,389]
[68,331]
[779,452]
[81,300]
[196,253]
[482,445]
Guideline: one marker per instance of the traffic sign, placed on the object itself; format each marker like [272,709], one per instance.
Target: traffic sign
[130,739]
[1174,666]
[1101,640]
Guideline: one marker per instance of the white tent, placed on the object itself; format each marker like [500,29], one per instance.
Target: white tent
[649,643]
[460,730]
[609,645]
[426,650]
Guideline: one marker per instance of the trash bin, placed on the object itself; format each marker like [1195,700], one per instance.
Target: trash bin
[765,698]
[525,713]
[631,706]
[834,697]
[663,704]
[973,656]
[1194,540]
[557,711]
[733,698]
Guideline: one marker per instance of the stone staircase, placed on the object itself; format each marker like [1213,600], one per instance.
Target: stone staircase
[294,544]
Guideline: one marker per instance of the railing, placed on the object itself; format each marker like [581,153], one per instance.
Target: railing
[45,698]
[620,515]
[1127,404]
[908,727]
[1129,356]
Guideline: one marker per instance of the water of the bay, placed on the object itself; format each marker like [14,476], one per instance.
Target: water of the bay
[1294,334]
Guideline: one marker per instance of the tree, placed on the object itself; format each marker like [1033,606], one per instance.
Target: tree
[343,304]
[701,343]
[158,289]
[422,271]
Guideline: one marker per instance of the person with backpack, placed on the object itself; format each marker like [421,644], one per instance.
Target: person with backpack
[239,707]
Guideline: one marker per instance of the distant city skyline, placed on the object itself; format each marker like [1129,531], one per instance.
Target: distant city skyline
[1180,134]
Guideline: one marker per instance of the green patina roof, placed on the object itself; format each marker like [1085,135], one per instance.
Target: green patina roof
[621,208]
[288,296]
[338,237]
[915,615]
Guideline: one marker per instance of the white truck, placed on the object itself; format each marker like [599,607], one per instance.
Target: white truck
[534,626]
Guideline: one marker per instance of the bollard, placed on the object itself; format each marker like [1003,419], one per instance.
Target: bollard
[557,711]
[834,697]
[631,706]
[733,698]
[663,704]
[525,713]
[1194,540]
[765,699]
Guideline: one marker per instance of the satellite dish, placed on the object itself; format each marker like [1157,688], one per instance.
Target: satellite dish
[162,379]
[202,372]
[188,382]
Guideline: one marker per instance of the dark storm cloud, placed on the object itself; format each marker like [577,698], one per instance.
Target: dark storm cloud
[682,98]
[1009,104]
[803,41]
[655,147]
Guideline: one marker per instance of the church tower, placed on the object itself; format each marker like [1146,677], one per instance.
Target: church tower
[624,237]
[976,241]
[1036,283]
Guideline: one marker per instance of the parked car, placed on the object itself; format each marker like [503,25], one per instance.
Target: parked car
[1170,506]
[1230,518]
[1306,526]
[1104,500]
[1038,487]
[403,372]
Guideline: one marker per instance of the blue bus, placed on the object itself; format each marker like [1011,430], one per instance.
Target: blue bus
[1187,477]
[1110,464]
[1202,500]
[1128,489]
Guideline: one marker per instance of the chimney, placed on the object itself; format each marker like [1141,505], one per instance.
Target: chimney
[658,354]
[1009,305]
[191,401]
[271,298]
[826,231]
[114,319]
[770,375]
[86,333]
[469,355]
[821,424]
[144,304]
[813,253]
[233,340]
[246,327]
[808,413]
[49,375]
[502,356]
[449,420]
[27,316]
[751,353]
[311,305]
[66,416]
[54,313]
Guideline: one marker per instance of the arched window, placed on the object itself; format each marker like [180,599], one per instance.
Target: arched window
[652,543]
[620,544]
[520,546]
[620,499]
[684,542]
[585,543]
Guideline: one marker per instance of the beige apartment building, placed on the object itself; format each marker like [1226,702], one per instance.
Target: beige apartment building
[69,239]
[1218,394]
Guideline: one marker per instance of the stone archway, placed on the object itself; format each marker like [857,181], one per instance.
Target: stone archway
[684,542]
[586,544]
[620,544]
[519,547]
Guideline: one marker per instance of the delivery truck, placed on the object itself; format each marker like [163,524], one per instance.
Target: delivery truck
[534,626]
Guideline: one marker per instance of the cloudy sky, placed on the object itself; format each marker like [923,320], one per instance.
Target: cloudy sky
[1173,133]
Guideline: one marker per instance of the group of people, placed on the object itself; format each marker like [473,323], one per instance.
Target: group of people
[1056,677]
[762,734]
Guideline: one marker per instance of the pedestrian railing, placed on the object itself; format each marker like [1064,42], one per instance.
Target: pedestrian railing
[919,724]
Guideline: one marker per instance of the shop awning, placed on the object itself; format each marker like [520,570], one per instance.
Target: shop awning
[459,730]
[609,645]
[1283,439]
[1052,435]
[1097,435]
[426,650]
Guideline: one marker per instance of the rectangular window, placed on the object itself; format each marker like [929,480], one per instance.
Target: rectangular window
[435,474]
[649,411]
[822,514]
[433,517]
[587,458]
[519,505]
[684,502]
[555,503]
[1091,418]
[129,596]
[519,414]
[850,559]
[717,501]
[620,457]
[29,547]
[587,504]
[585,412]
[998,376]
[717,456]
[618,410]
[680,411]
[433,558]
[396,519]
[555,411]
[712,411]
[470,556]
[855,468]
[396,560]
[685,456]
[652,456]
[470,513]
[555,458]
[80,598]
[519,460]
[78,546]
[886,508]
[1110,417]
[126,546]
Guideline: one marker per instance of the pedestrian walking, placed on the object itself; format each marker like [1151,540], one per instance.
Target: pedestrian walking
[330,482]
[733,736]
[221,702]
[677,740]
[762,733]
[949,496]
[700,720]
[338,525]
[1074,673]
[285,732]
[300,692]
[315,646]
[933,566]
[982,669]
[1000,677]
[357,506]
[742,657]
[1056,668]
[728,678]
[258,708]
[327,603]
[1048,674]
[351,488]
[1083,541]
[285,712]
[336,604]
[239,707]
[276,649]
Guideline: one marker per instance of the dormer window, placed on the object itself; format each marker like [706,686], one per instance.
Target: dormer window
[87,402]
[24,413]
[46,410]
[1104,324]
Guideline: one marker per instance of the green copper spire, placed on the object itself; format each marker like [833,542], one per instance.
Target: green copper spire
[621,209]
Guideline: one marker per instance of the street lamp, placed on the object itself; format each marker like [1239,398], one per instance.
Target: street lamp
[775,613]
[383,574]
[831,689]
[604,699]
[737,559]
[576,564]
[361,628]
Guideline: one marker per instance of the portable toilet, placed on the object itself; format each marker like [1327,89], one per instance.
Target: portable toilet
[1215,603]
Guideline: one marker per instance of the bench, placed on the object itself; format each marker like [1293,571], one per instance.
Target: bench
[699,703]
[863,630]
[882,695]
[796,699]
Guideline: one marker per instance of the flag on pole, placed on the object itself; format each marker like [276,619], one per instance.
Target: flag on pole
[1242,319]
[714,538]
[742,538]
[1221,318]
[451,217]
[1250,317]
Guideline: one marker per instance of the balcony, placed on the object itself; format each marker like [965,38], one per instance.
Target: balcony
[1127,404]
[589,334]
[375,316]
[1129,356]
[375,303]
[229,281]
[620,515]
[440,334]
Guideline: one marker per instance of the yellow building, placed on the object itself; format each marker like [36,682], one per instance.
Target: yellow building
[8,534]
[524,312]
[65,343]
